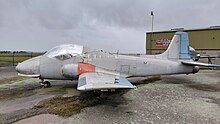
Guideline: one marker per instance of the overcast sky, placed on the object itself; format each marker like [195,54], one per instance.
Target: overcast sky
[39,25]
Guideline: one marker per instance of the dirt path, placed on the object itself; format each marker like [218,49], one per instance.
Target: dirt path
[7,73]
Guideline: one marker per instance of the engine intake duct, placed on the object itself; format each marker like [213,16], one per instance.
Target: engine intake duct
[70,70]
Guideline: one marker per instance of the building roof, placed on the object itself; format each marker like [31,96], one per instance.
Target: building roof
[182,29]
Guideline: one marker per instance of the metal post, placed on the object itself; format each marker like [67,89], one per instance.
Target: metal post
[13,57]
[152,29]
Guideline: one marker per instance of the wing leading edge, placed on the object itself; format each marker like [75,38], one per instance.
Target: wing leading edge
[101,81]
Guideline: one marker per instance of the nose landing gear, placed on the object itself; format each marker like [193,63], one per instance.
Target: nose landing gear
[45,83]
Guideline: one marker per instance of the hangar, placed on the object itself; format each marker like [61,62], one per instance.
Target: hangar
[206,41]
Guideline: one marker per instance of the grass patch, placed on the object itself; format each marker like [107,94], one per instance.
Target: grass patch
[67,106]
[18,57]
[20,54]
[20,88]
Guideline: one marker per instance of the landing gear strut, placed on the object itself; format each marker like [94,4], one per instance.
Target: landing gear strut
[45,83]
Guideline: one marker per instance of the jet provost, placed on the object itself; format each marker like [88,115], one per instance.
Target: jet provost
[100,70]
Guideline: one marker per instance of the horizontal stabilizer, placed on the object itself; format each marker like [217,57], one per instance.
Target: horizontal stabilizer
[209,57]
[101,81]
[192,63]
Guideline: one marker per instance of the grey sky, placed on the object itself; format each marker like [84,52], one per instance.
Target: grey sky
[39,25]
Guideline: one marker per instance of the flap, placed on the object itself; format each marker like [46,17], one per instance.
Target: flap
[192,63]
[101,81]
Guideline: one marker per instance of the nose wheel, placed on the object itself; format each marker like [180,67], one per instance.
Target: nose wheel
[45,83]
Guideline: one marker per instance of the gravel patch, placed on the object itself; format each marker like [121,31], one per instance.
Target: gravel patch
[40,119]
[173,99]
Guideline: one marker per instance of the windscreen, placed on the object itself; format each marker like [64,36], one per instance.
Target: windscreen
[65,51]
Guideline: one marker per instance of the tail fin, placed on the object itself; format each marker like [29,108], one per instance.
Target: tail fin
[178,48]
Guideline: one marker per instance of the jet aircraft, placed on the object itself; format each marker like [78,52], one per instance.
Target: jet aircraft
[100,70]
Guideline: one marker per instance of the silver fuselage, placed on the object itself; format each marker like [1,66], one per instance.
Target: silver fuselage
[126,66]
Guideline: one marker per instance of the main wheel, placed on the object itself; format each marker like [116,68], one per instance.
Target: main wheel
[47,83]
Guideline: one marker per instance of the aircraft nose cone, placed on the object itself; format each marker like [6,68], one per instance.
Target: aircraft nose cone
[28,67]
[23,68]
[17,68]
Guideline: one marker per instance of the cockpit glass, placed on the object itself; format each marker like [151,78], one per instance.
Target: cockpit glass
[65,51]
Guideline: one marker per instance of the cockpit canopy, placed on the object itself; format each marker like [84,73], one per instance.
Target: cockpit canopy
[65,51]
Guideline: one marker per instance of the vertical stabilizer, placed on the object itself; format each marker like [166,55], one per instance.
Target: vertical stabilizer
[178,48]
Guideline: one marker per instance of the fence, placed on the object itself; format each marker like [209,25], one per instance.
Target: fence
[8,58]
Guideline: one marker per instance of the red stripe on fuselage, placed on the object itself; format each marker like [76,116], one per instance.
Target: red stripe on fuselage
[85,67]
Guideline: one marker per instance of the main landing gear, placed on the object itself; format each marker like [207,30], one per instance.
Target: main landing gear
[45,83]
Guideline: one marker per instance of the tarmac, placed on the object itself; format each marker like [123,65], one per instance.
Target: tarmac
[180,99]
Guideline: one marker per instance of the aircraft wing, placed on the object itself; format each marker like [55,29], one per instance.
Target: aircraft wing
[101,81]
[192,63]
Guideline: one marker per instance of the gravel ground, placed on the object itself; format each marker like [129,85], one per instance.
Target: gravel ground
[6,64]
[170,100]
[173,99]
[42,119]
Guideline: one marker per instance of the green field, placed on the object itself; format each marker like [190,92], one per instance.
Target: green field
[17,57]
